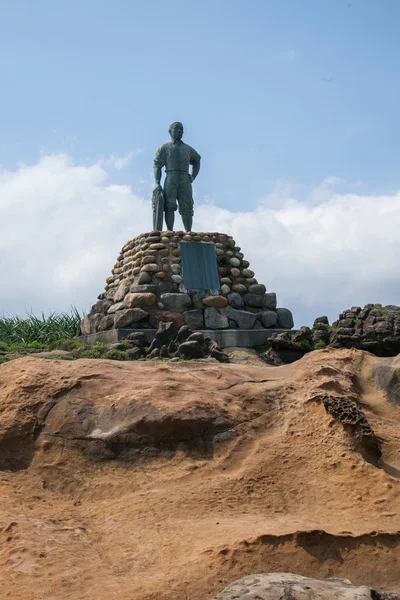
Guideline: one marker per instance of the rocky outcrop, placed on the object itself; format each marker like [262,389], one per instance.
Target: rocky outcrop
[148,277]
[286,586]
[374,328]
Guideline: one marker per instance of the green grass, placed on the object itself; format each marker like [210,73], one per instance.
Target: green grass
[39,332]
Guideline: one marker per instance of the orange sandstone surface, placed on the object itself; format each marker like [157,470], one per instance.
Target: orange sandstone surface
[167,481]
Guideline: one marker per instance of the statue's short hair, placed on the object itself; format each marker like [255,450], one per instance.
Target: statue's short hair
[175,123]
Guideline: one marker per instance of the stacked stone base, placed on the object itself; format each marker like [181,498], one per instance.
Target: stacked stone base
[147,287]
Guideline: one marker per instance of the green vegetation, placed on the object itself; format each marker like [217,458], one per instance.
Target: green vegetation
[305,344]
[40,331]
[116,355]
[320,344]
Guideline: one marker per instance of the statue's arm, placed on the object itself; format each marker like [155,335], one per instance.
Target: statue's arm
[157,175]
[195,162]
[159,163]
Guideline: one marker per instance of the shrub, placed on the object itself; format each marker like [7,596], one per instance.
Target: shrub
[320,344]
[116,355]
[42,330]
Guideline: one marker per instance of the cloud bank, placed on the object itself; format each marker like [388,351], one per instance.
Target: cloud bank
[62,226]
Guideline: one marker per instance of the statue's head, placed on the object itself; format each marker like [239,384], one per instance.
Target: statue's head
[176,130]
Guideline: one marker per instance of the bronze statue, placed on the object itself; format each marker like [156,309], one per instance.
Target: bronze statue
[175,156]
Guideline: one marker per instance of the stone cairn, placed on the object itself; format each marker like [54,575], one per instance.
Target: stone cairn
[146,288]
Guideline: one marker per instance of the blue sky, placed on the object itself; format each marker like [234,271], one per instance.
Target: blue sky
[276,95]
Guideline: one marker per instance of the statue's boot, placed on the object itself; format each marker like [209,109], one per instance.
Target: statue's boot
[169,219]
[187,221]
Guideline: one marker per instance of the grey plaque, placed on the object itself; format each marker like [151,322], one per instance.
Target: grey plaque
[199,267]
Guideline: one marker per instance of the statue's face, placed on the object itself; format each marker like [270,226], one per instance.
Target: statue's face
[176,131]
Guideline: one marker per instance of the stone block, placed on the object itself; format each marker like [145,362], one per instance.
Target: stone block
[125,318]
[268,318]
[257,288]
[235,300]
[176,302]
[115,307]
[194,319]
[242,318]
[214,319]
[133,300]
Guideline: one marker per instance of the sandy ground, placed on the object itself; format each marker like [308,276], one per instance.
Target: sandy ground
[167,481]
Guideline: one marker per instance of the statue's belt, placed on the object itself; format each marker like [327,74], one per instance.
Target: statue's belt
[176,171]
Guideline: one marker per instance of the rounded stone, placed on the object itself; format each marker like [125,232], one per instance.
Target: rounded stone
[175,268]
[165,268]
[239,288]
[164,252]
[219,251]
[245,264]
[257,288]
[226,280]
[255,300]
[150,268]
[137,299]
[136,270]
[126,317]
[175,260]
[268,318]
[235,262]
[285,318]
[176,302]
[229,253]
[144,278]
[239,255]
[176,252]
[196,238]
[235,300]
[225,289]
[157,246]
[215,301]
[206,238]
[175,239]
[187,238]
[235,272]
[165,240]
[153,239]
[223,271]
[247,273]
[176,279]
[160,275]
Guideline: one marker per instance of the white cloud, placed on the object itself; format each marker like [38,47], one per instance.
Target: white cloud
[62,226]
[119,162]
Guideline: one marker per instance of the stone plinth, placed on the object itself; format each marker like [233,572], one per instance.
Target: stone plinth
[147,286]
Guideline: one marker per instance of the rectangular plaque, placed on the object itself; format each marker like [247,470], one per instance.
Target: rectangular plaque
[199,267]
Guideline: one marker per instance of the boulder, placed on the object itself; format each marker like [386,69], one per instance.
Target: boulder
[196,336]
[217,301]
[239,288]
[101,307]
[255,300]
[286,586]
[144,278]
[235,300]
[191,349]
[257,288]
[106,322]
[242,318]
[194,319]
[214,319]
[268,318]
[176,302]
[125,318]
[139,299]
[115,307]
[183,334]
[122,290]
[143,289]
[285,318]
[270,300]
[158,317]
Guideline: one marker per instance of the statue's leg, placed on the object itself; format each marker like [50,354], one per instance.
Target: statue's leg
[185,200]
[171,185]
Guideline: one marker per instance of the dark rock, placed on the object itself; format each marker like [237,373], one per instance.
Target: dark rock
[243,319]
[235,300]
[134,353]
[125,318]
[257,288]
[346,323]
[154,353]
[285,318]
[191,349]
[321,335]
[164,352]
[255,300]
[143,289]
[219,355]
[232,324]
[322,319]
[101,307]
[270,301]
[268,318]
[215,319]
[176,302]
[172,347]
[101,296]
[183,334]
[144,278]
[106,322]
[303,334]
[194,319]
[139,337]
[197,337]
[164,317]
[165,333]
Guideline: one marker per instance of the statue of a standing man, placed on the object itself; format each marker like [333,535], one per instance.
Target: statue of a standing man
[176,156]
